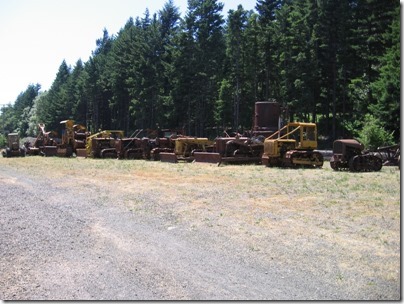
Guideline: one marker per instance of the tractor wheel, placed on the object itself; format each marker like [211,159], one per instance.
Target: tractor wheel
[374,163]
[355,163]
[334,165]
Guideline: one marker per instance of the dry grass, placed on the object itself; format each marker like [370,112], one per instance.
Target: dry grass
[345,222]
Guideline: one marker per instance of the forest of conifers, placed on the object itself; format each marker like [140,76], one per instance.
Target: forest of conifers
[336,63]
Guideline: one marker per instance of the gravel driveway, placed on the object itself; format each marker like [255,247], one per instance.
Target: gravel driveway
[60,243]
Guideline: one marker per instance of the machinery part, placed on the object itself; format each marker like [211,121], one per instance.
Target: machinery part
[155,153]
[266,118]
[168,157]
[108,153]
[292,146]
[49,151]
[365,163]
[305,158]
[208,157]
[81,152]
[390,155]
[348,155]
[236,149]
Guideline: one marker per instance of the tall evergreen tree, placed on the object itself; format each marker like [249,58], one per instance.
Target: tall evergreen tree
[386,88]
[201,56]
[269,73]
[237,95]
[98,85]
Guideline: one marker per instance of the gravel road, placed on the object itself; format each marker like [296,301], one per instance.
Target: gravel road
[60,243]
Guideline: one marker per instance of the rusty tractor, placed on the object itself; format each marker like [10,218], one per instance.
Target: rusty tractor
[13,148]
[237,149]
[185,148]
[132,147]
[249,147]
[103,144]
[293,145]
[349,155]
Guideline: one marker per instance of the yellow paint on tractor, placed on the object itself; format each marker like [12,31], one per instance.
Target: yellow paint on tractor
[293,145]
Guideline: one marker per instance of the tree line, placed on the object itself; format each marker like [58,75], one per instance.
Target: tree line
[336,63]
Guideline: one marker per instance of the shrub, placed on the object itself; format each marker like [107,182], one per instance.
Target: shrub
[373,135]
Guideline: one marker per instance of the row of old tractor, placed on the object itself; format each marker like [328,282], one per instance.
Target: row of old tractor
[293,145]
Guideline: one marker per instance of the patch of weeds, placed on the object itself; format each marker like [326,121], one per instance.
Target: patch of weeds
[378,204]
[259,221]
[330,203]
[253,248]
[339,277]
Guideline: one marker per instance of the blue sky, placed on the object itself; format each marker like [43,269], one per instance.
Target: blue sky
[37,35]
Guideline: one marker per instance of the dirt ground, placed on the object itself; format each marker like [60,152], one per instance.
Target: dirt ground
[85,229]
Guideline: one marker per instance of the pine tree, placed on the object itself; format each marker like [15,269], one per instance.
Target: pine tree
[269,73]
[387,86]
[203,37]
[237,94]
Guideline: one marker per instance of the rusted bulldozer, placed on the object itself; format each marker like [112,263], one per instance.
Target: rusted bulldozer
[238,149]
[103,144]
[185,149]
[246,148]
[132,147]
[13,148]
[349,154]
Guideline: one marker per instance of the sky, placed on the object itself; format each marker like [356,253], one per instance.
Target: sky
[37,35]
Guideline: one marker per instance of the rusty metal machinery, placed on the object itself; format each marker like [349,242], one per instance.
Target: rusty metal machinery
[80,134]
[160,145]
[267,118]
[103,144]
[247,148]
[293,145]
[44,144]
[390,155]
[132,147]
[129,148]
[185,148]
[348,154]
[238,149]
[73,139]
[13,148]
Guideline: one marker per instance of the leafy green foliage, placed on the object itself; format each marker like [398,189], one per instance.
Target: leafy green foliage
[331,62]
[373,135]
[3,141]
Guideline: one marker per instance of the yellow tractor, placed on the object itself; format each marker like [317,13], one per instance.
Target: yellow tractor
[293,145]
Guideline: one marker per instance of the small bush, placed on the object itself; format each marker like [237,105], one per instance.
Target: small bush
[3,141]
[373,134]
